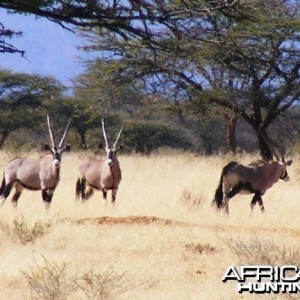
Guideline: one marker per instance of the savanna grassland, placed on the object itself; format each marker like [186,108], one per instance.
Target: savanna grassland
[162,239]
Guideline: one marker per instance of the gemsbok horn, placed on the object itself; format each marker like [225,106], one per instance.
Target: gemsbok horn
[100,174]
[255,178]
[41,174]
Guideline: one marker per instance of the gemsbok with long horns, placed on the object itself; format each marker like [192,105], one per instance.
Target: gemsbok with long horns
[100,174]
[41,174]
[255,178]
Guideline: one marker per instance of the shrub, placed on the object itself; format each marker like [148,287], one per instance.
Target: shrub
[21,230]
[263,252]
[100,285]
[48,281]
[51,281]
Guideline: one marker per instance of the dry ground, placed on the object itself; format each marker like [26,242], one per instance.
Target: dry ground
[162,239]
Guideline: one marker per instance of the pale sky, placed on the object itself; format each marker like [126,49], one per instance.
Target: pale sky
[49,49]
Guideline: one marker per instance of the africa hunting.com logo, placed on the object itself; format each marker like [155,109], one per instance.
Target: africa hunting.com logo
[265,279]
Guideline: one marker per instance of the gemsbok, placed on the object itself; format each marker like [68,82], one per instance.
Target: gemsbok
[255,178]
[41,174]
[100,174]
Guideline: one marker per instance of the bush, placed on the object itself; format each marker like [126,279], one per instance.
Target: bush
[24,232]
[263,252]
[191,200]
[100,285]
[51,281]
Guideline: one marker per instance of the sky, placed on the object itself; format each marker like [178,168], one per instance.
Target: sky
[49,49]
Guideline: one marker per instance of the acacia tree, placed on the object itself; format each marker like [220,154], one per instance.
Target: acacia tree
[22,98]
[248,66]
[172,46]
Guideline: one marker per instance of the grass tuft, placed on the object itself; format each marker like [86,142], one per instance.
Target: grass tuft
[21,230]
[191,200]
[200,249]
[263,252]
[101,285]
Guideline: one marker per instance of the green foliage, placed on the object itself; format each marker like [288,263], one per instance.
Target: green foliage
[243,59]
[200,57]
[22,101]
[144,137]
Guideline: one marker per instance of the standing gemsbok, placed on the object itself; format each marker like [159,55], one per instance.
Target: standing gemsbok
[100,174]
[41,174]
[257,178]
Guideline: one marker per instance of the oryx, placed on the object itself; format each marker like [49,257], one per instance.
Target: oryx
[41,174]
[257,178]
[100,174]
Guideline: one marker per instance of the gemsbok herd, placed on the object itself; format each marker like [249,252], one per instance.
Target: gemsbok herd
[105,175]
[44,173]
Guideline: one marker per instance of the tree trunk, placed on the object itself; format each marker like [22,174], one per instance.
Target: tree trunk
[264,144]
[82,140]
[231,133]
[4,135]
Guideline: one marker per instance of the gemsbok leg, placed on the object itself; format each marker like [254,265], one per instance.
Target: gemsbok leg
[16,195]
[6,191]
[257,198]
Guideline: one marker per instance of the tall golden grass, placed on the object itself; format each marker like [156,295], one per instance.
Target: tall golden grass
[161,240]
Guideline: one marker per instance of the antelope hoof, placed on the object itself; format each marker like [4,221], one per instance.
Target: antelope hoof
[47,205]
[14,204]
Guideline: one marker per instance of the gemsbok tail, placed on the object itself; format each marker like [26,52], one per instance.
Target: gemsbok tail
[218,200]
[79,188]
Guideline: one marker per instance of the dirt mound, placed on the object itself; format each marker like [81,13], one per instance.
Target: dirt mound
[153,220]
[128,220]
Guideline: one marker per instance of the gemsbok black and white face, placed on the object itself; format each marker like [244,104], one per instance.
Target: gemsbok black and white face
[58,150]
[111,152]
[42,174]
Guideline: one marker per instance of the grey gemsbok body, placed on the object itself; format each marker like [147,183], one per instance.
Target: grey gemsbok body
[100,174]
[257,178]
[41,174]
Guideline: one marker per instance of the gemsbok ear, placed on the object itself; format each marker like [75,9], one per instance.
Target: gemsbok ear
[100,146]
[121,147]
[289,162]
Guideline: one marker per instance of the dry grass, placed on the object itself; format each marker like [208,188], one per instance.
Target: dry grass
[162,239]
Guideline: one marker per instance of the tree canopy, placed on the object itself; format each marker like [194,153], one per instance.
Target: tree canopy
[22,101]
[240,58]
[249,66]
